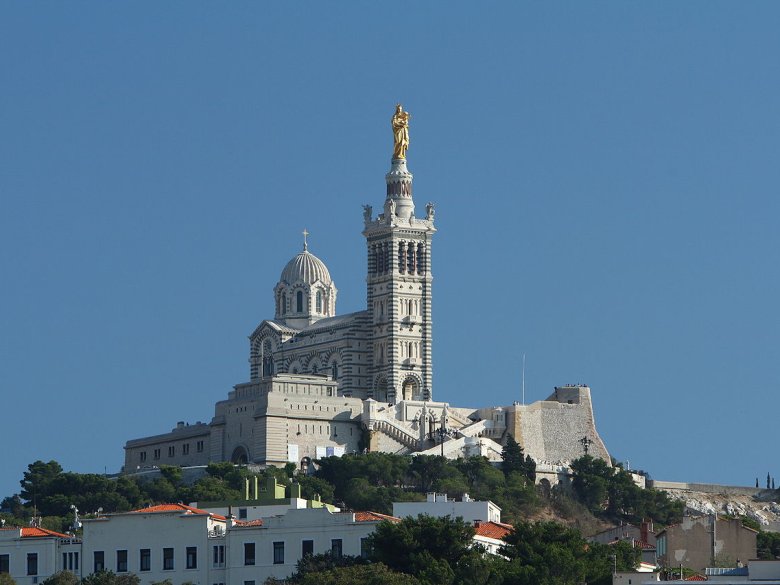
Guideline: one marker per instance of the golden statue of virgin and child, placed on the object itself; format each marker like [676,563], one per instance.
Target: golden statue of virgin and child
[400,123]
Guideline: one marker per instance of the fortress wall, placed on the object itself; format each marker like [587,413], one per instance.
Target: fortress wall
[551,429]
[706,488]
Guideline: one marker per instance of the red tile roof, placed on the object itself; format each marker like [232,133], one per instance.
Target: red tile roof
[35,532]
[696,578]
[496,530]
[374,517]
[178,508]
[246,523]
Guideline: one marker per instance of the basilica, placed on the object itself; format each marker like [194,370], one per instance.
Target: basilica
[323,384]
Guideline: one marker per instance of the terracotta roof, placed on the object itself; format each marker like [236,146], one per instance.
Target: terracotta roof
[696,578]
[177,508]
[374,517]
[35,532]
[495,530]
[246,523]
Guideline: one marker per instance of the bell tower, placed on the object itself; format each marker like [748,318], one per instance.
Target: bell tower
[399,284]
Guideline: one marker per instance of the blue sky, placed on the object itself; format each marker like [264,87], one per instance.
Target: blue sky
[606,185]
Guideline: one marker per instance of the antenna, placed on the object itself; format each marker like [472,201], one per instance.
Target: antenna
[523,379]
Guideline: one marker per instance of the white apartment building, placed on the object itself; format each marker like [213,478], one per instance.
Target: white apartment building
[167,541]
[31,554]
[187,545]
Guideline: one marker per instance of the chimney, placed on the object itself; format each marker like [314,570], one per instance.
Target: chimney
[644,529]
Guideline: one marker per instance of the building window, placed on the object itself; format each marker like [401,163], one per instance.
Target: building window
[365,548]
[249,553]
[278,553]
[335,371]
[142,455]
[75,561]
[219,555]
[167,559]
[199,446]
[242,513]
[299,301]
[185,449]
[5,564]
[32,563]
[249,583]
[307,547]
[319,301]
[146,559]
[192,557]
[156,453]
[171,451]
[336,548]
[121,561]
[99,561]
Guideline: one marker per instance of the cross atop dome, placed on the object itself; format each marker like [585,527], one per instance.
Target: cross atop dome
[305,233]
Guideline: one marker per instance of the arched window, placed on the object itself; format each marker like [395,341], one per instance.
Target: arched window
[268,360]
[299,301]
[319,301]
[282,304]
[335,370]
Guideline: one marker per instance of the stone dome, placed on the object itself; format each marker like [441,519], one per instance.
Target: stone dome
[306,268]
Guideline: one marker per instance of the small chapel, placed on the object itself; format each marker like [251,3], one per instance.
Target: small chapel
[323,384]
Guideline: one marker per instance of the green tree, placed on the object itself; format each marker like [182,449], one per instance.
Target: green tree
[110,578]
[6,579]
[37,481]
[373,574]
[62,578]
[512,458]
[427,547]
[314,564]
[314,486]
[768,545]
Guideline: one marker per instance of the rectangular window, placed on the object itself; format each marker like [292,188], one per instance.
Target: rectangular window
[199,446]
[219,555]
[121,561]
[64,561]
[145,561]
[307,547]
[185,449]
[249,553]
[242,513]
[142,454]
[32,563]
[336,548]
[75,561]
[249,583]
[100,563]
[278,553]
[192,557]
[171,451]
[5,564]
[156,453]
[167,559]
[365,548]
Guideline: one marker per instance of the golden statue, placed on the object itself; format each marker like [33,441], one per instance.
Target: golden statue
[400,132]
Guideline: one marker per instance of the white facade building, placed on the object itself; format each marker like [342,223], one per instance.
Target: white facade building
[187,545]
[440,505]
[31,554]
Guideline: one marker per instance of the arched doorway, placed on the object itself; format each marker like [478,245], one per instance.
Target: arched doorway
[410,389]
[240,456]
